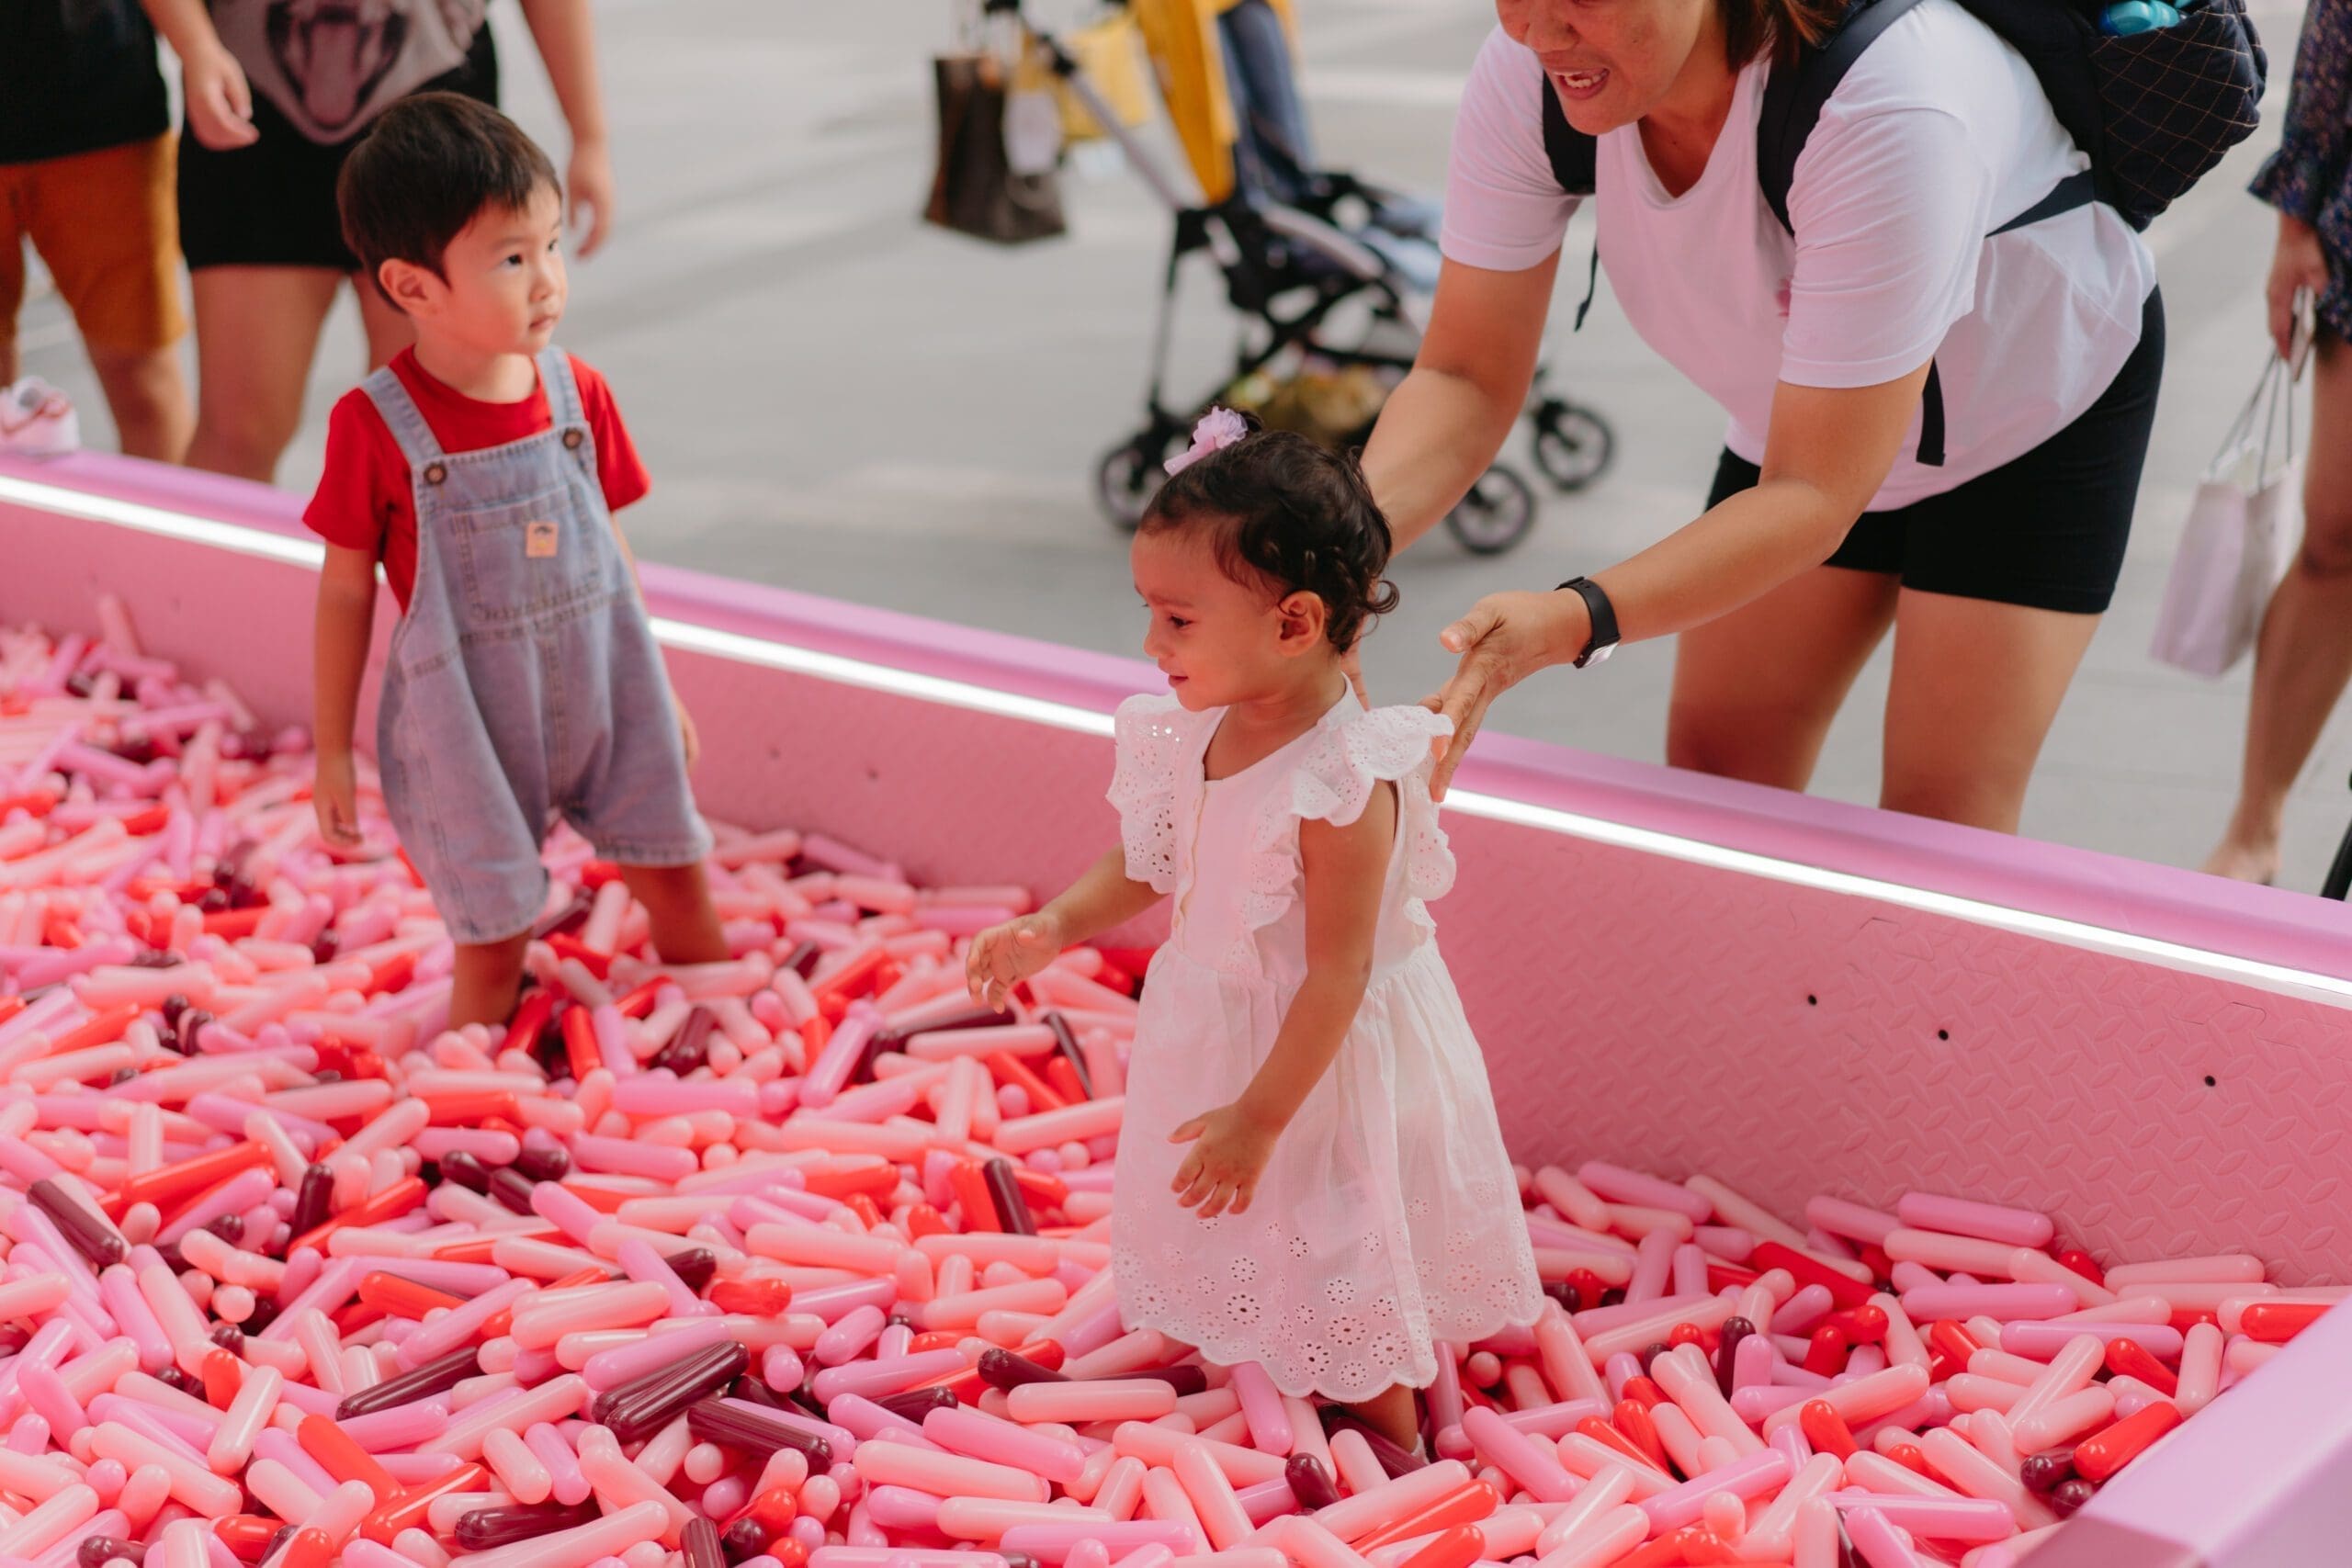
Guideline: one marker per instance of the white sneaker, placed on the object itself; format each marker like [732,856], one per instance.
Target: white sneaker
[37,420]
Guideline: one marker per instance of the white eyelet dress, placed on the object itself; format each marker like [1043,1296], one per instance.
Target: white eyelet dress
[1387,1218]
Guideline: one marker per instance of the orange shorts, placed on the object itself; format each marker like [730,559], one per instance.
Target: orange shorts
[107,229]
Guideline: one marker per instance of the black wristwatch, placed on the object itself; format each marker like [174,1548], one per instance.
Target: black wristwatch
[1603,642]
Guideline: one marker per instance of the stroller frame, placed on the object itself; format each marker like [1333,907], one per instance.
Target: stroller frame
[1286,269]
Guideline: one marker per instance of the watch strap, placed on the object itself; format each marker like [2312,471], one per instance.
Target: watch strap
[1602,614]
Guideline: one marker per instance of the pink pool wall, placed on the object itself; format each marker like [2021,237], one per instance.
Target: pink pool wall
[1676,1016]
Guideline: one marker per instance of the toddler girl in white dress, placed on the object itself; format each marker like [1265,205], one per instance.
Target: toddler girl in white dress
[1310,1175]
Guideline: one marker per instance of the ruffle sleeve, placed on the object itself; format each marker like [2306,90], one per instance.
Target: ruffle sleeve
[1151,734]
[1333,781]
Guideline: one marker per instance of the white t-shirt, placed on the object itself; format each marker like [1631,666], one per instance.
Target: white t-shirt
[1938,134]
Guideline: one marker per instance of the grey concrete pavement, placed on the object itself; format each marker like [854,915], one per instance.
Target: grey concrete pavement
[834,397]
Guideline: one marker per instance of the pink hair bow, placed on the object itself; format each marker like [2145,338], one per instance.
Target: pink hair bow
[1218,429]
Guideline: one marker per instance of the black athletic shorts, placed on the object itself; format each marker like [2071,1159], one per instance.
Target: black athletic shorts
[272,204]
[2046,530]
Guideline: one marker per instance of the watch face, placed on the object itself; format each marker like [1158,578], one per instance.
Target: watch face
[1601,655]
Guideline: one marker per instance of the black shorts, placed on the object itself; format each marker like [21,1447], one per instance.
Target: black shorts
[272,204]
[2046,530]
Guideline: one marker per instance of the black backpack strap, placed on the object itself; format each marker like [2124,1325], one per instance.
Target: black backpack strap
[1794,96]
[1570,150]
[1931,420]
[1795,93]
[2077,189]
[1591,285]
[1574,165]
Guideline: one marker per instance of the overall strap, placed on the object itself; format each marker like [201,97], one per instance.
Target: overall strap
[564,407]
[402,416]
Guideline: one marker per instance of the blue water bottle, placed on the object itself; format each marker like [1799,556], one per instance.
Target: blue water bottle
[2128,17]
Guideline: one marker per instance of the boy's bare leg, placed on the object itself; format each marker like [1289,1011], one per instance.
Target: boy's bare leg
[485,980]
[677,902]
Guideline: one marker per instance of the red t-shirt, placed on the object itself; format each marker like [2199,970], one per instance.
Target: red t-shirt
[365,501]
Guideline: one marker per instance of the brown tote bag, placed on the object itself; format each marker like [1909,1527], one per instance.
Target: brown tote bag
[975,190]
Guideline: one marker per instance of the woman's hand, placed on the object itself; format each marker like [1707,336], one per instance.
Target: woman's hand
[588,185]
[2296,269]
[219,101]
[1002,957]
[689,737]
[1231,1148]
[1505,639]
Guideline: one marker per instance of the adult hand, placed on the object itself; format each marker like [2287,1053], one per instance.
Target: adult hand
[689,737]
[220,102]
[2296,269]
[588,187]
[1505,639]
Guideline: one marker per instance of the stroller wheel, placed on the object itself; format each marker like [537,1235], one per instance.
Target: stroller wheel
[1126,480]
[1495,515]
[1573,444]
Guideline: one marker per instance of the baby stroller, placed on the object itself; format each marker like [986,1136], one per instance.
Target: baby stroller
[1330,273]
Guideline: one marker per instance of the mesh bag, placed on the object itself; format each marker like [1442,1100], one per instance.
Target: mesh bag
[2172,102]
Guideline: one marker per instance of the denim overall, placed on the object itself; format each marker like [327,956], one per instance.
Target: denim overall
[523,682]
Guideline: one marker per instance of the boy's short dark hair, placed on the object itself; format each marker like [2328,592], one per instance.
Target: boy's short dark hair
[424,170]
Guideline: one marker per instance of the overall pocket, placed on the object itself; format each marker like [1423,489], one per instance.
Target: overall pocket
[527,558]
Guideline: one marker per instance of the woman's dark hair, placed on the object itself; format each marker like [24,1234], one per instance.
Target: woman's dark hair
[1751,26]
[424,170]
[1278,507]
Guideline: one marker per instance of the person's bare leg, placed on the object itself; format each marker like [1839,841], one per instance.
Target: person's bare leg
[389,328]
[2302,659]
[152,415]
[1394,1415]
[485,981]
[1754,692]
[1975,686]
[677,904]
[256,329]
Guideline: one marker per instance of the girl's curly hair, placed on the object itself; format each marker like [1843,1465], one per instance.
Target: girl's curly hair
[1277,506]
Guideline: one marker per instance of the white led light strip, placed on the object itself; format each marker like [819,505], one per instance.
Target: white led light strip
[965,695]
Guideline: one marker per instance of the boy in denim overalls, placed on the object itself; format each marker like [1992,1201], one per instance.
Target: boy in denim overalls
[481,468]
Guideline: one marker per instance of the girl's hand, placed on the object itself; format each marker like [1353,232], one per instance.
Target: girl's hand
[1505,639]
[588,185]
[1002,957]
[335,796]
[1231,1148]
[219,103]
[690,737]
